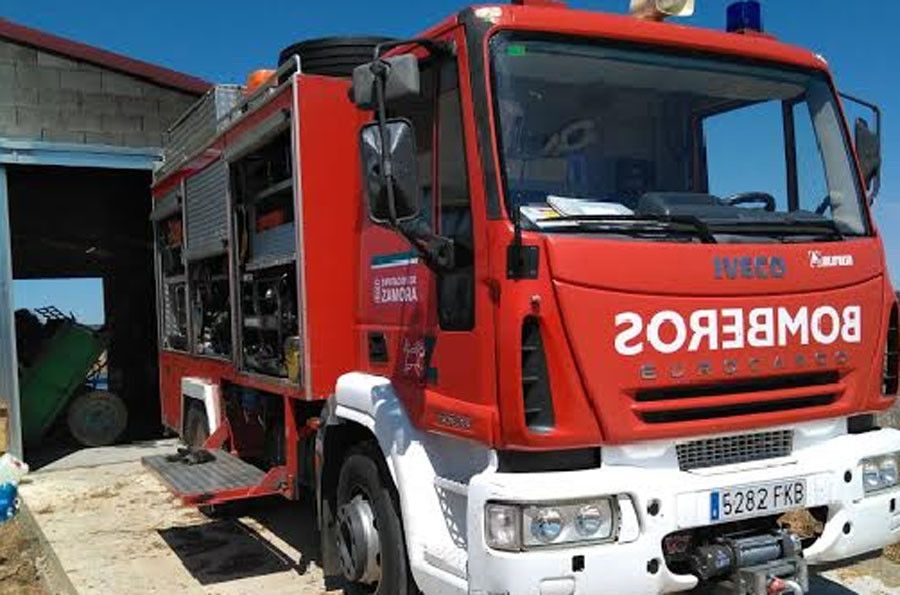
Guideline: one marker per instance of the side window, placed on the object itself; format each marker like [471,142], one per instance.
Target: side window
[755,162]
[456,288]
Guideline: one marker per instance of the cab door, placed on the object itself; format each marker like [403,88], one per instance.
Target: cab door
[438,324]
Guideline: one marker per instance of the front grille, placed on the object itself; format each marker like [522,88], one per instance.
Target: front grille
[755,396]
[713,452]
[749,385]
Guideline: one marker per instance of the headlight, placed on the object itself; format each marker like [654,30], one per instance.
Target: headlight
[514,527]
[593,520]
[546,525]
[880,473]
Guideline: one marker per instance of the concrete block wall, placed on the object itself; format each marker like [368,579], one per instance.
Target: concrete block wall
[52,98]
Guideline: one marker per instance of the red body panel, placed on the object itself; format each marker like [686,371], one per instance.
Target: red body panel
[332,208]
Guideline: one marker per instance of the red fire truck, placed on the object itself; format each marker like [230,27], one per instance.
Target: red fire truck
[541,301]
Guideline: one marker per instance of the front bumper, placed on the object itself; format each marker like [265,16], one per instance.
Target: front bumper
[643,474]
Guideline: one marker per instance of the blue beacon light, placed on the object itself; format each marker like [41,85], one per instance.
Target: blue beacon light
[745,16]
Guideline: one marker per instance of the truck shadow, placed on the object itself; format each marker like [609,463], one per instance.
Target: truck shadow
[248,539]
[223,550]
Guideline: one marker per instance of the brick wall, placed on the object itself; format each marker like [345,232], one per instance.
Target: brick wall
[51,98]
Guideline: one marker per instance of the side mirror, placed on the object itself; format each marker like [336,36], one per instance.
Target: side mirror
[401,80]
[868,148]
[401,147]
[867,141]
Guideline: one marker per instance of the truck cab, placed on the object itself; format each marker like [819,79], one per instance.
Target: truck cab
[664,284]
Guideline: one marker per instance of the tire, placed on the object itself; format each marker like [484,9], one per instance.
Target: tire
[97,418]
[363,477]
[332,56]
[196,426]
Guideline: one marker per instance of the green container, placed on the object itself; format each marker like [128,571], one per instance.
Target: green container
[58,373]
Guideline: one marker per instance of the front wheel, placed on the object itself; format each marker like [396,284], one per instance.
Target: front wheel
[370,544]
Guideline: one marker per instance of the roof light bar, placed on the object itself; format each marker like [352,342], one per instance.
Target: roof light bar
[658,10]
[745,16]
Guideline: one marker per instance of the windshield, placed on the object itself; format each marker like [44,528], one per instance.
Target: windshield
[592,134]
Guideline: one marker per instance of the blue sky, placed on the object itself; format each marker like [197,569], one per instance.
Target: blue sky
[222,41]
[81,297]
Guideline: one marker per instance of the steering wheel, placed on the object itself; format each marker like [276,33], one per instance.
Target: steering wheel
[745,198]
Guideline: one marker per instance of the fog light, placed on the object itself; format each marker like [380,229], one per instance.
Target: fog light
[547,525]
[502,524]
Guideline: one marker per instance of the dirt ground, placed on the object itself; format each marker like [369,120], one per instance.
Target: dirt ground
[114,528]
[892,553]
[19,551]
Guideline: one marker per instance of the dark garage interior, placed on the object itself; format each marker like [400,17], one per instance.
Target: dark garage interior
[94,223]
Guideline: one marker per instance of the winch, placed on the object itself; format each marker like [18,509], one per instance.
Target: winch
[768,564]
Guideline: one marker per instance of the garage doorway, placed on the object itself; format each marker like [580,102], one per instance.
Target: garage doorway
[88,224]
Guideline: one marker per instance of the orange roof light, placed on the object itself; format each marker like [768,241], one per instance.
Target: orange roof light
[257,79]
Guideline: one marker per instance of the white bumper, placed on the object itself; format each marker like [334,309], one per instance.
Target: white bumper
[638,475]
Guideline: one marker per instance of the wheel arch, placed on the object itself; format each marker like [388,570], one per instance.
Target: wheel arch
[366,409]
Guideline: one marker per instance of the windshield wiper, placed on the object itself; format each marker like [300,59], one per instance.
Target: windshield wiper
[824,229]
[646,223]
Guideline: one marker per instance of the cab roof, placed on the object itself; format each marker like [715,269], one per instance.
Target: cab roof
[622,27]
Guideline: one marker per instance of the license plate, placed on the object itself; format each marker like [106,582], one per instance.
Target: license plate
[756,500]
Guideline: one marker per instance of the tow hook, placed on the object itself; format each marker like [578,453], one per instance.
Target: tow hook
[768,564]
[778,586]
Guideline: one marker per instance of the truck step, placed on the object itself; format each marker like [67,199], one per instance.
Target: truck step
[224,478]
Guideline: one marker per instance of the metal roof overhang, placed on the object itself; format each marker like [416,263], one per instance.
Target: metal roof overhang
[24,152]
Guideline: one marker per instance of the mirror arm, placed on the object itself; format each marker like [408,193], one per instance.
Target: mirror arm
[438,251]
[379,70]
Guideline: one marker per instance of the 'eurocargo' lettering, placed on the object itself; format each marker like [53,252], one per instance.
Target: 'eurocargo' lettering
[735,328]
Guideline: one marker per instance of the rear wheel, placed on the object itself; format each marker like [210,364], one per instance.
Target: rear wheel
[97,418]
[370,544]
